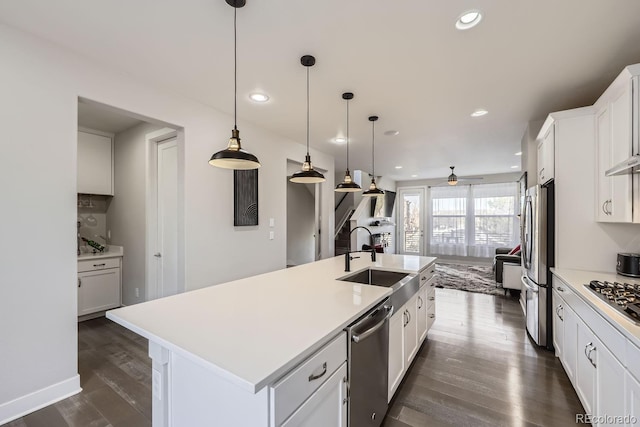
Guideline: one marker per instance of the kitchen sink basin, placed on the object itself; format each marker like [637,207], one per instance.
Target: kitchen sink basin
[372,276]
[403,285]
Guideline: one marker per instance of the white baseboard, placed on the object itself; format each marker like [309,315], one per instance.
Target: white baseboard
[39,399]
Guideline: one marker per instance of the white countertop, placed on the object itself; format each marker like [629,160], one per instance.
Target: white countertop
[252,331]
[576,279]
[112,252]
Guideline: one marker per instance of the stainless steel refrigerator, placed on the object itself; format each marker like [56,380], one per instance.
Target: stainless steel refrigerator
[537,259]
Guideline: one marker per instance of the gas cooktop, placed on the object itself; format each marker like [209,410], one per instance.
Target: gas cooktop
[624,297]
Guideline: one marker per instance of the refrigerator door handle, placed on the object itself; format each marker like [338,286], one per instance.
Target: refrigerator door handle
[525,282]
[526,232]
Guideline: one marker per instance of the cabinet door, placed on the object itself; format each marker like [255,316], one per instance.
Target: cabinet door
[570,342]
[410,331]
[327,406]
[610,393]
[98,290]
[632,398]
[621,122]
[421,314]
[558,323]
[396,350]
[585,376]
[603,162]
[95,164]
[546,156]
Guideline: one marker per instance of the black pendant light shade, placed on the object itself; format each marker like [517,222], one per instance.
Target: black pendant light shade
[347,185]
[234,157]
[307,175]
[453,179]
[373,188]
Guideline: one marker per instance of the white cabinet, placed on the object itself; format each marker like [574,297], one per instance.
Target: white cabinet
[585,376]
[558,323]
[95,164]
[613,145]
[570,342]
[632,397]
[326,406]
[98,285]
[421,313]
[410,331]
[396,351]
[546,155]
[610,393]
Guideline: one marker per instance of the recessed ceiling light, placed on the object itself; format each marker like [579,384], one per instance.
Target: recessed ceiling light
[339,140]
[259,97]
[519,153]
[414,176]
[392,133]
[479,112]
[468,19]
[515,167]
[398,167]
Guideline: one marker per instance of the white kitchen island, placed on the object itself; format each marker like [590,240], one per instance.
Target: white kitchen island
[217,352]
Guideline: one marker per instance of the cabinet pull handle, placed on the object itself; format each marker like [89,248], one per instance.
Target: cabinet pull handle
[609,207]
[560,289]
[409,317]
[404,318]
[314,377]
[79,282]
[604,209]
[424,278]
[432,316]
[432,298]
[432,271]
[99,265]
[420,303]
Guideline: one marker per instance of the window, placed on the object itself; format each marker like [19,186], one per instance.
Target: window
[473,220]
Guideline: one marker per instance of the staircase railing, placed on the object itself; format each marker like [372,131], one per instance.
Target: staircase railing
[344,196]
[345,218]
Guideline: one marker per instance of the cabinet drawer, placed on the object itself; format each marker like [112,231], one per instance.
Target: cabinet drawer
[98,264]
[427,274]
[292,390]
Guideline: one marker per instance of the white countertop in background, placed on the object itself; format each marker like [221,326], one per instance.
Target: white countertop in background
[576,279]
[252,331]
[114,251]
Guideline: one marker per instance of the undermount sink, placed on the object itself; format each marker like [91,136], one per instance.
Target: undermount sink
[372,276]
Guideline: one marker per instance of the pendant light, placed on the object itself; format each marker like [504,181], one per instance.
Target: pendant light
[347,185]
[373,188]
[453,179]
[234,157]
[307,175]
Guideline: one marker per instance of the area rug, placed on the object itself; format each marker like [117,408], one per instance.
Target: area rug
[469,278]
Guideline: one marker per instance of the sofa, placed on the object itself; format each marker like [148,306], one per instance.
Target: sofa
[507,267]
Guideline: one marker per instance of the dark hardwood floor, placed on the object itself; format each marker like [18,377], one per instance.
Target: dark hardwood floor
[476,368]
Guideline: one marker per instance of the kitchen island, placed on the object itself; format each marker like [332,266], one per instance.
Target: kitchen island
[218,351]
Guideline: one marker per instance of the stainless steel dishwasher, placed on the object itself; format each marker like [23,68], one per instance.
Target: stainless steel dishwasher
[368,356]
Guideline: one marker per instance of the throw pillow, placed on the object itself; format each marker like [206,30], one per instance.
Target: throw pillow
[514,251]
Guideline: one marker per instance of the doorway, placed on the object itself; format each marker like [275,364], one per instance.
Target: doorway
[412,221]
[162,214]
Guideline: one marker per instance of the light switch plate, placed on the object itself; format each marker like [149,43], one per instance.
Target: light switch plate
[271,235]
[272,222]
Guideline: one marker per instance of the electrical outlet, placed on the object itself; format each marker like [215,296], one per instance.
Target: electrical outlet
[137,292]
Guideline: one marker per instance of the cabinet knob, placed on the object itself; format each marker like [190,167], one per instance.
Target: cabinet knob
[432,298]
[432,316]
[157,255]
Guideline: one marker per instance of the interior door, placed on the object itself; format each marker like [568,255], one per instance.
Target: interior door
[411,223]
[167,232]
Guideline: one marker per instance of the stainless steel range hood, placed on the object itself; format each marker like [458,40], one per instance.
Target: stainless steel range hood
[631,165]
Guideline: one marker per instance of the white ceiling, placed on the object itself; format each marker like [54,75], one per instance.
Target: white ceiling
[404,60]
[99,118]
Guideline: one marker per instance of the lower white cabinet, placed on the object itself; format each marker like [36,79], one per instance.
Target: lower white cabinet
[98,285]
[632,398]
[610,394]
[421,313]
[327,406]
[410,331]
[585,380]
[558,323]
[570,345]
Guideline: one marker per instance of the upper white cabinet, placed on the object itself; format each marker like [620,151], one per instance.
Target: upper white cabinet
[613,146]
[546,153]
[617,122]
[95,164]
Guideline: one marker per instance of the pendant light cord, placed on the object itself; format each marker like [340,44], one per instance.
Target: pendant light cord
[307,111]
[347,134]
[235,70]
[373,148]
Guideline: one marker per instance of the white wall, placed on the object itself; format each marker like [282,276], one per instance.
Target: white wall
[582,243]
[529,148]
[300,224]
[38,329]
[127,213]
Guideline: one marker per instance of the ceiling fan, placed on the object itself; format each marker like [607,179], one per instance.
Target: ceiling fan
[453,179]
